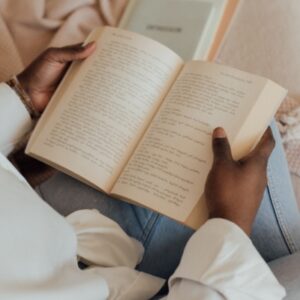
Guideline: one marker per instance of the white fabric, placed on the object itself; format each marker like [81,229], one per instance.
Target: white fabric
[14,113]
[104,250]
[39,249]
[229,265]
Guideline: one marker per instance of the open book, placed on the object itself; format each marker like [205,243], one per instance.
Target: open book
[134,121]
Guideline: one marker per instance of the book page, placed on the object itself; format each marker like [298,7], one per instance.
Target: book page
[92,128]
[169,168]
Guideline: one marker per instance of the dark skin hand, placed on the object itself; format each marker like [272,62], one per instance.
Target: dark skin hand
[41,78]
[234,189]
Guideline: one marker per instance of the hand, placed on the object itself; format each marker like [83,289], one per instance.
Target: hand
[234,189]
[41,78]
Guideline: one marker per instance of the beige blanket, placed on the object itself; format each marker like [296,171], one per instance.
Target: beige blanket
[27,27]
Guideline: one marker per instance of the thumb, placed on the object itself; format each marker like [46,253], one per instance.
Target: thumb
[221,146]
[264,147]
[70,53]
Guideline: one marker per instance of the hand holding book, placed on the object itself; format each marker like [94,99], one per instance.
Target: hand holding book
[234,189]
[134,121]
[41,78]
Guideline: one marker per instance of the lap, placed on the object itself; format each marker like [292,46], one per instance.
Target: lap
[162,238]
[276,231]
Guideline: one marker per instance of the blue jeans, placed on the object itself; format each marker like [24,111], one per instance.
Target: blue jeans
[276,232]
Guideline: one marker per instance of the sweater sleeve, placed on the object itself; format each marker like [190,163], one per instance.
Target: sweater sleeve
[220,262]
[15,120]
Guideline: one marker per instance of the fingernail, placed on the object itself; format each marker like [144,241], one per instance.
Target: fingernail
[219,133]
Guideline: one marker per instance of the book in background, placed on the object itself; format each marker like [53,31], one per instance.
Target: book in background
[194,29]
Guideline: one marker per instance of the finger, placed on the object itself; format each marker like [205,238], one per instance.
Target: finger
[221,146]
[264,148]
[70,53]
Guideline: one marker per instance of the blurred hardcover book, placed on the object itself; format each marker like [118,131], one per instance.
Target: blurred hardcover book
[194,29]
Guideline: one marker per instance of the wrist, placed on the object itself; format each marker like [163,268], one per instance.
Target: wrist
[21,90]
[26,88]
[243,223]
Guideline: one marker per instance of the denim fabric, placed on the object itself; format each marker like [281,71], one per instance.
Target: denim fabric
[163,238]
[276,231]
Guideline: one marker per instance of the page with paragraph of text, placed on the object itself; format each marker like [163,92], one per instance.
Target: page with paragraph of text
[104,105]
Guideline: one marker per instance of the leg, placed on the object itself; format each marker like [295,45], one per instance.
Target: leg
[157,233]
[276,231]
